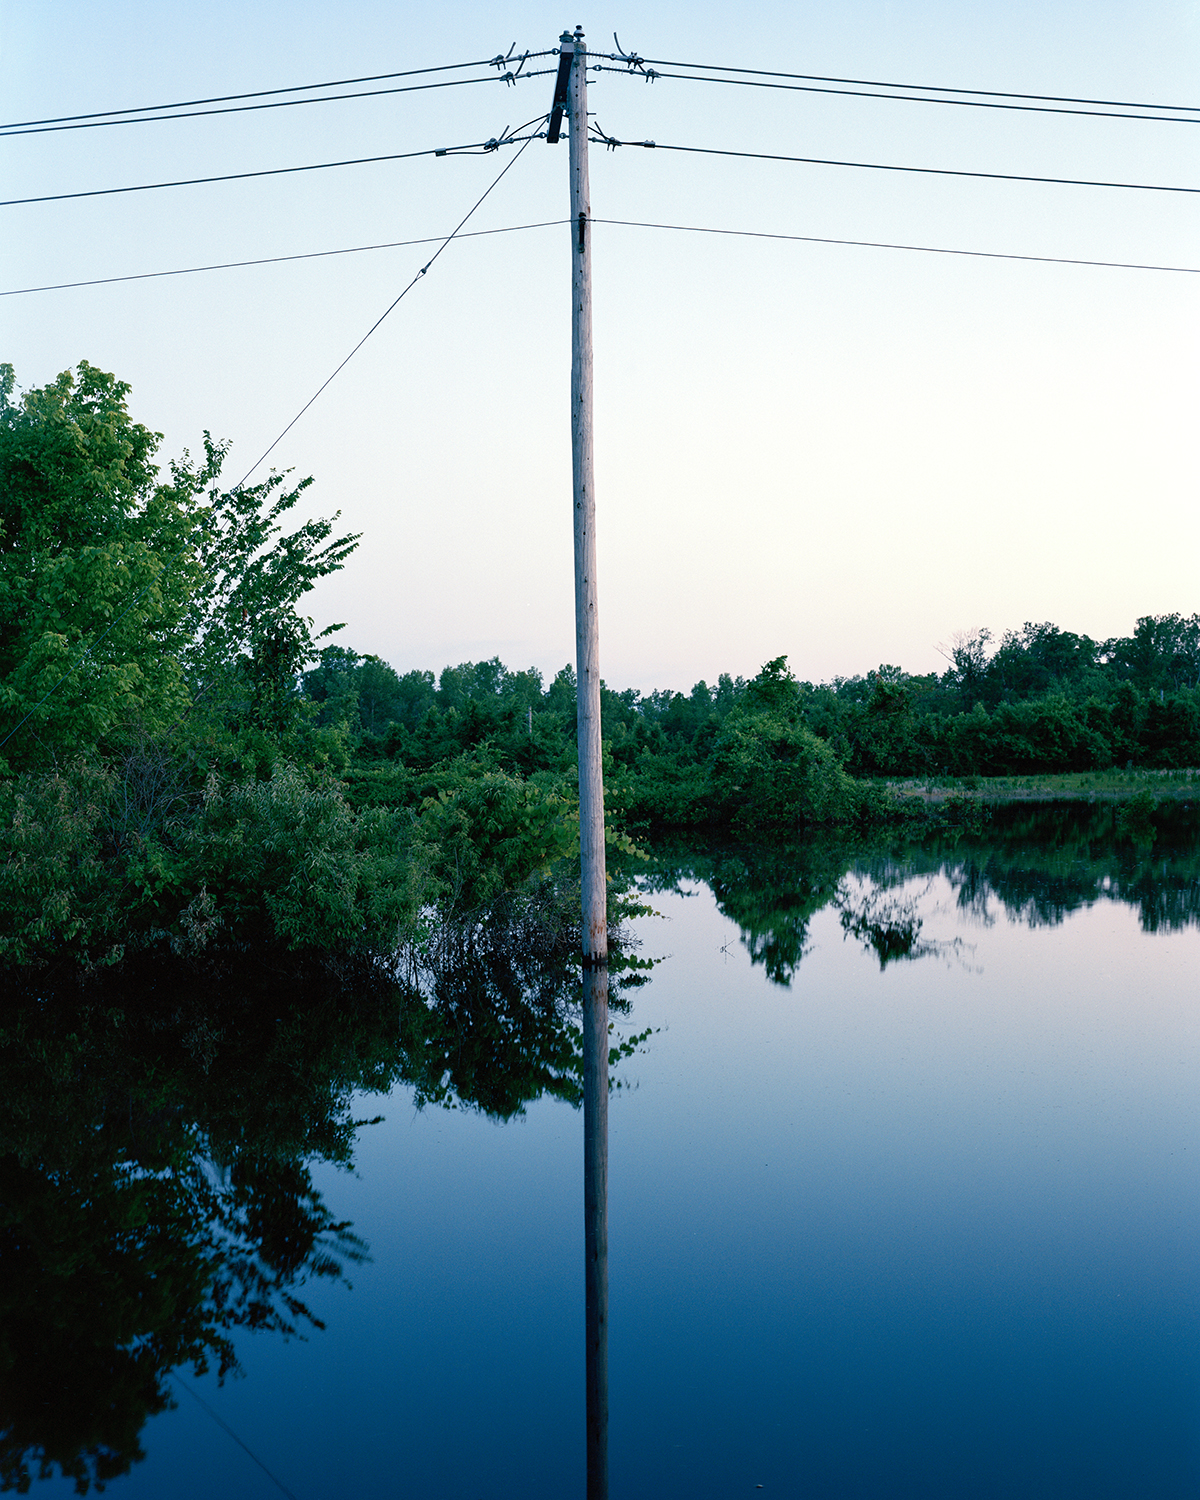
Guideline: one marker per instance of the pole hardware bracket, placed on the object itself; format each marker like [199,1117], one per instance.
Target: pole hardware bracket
[630,59]
[511,75]
[566,57]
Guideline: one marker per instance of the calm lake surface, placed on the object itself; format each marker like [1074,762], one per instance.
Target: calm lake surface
[904,1201]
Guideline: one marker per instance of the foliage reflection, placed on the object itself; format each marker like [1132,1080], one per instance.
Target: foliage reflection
[162,1119]
[1036,864]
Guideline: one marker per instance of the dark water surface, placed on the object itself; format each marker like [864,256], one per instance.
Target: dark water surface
[904,1201]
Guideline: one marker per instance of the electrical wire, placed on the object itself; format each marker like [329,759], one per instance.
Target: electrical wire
[875,166]
[452,235]
[814,239]
[83,656]
[274,260]
[295,88]
[864,93]
[237,109]
[481,147]
[631,60]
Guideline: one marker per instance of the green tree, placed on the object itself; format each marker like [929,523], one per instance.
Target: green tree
[123,596]
[1163,652]
[1040,659]
[86,533]
[967,654]
[769,770]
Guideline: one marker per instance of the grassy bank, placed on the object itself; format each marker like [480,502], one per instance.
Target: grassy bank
[1082,786]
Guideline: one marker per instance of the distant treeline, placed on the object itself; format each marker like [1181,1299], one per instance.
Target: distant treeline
[755,753]
[1043,700]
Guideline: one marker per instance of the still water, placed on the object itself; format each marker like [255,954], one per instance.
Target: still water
[903,1202]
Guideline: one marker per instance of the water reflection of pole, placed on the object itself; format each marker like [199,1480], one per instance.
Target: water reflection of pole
[591,784]
[595,1214]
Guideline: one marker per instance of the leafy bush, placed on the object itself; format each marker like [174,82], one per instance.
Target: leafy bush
[486,832]
[769,771]
[87,872]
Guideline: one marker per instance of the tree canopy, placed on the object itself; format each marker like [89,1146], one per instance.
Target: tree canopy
[126,595]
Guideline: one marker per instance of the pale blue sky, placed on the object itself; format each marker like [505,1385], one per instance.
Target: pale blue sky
[842,454]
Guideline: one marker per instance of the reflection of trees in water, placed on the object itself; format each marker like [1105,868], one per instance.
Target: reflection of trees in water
[887,924]
[1039,865]
[1036,863]
[161,1118]
[155,1186]
[161,1122]
[495,1019]
[770,891]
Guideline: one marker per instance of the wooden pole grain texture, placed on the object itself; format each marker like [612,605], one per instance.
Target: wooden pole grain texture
[587,626]
[591,794]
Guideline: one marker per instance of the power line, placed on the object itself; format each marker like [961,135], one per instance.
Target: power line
[483,147]
[632,60]
[875,166]
[273,260]
[452,235]
[866,93]
[237,109]
[295,88]
[480,147]
[627,59]
[814,239]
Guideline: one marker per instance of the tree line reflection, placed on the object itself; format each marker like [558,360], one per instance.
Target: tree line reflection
[162,1121]
[1037,864]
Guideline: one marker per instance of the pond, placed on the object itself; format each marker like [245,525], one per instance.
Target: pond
[904,1171]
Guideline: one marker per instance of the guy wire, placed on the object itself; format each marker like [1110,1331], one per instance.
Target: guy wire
[225,1427]
[83,656]
[452,235]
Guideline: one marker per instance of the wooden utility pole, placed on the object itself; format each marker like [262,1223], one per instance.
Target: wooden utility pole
[571,92]
[587,635]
